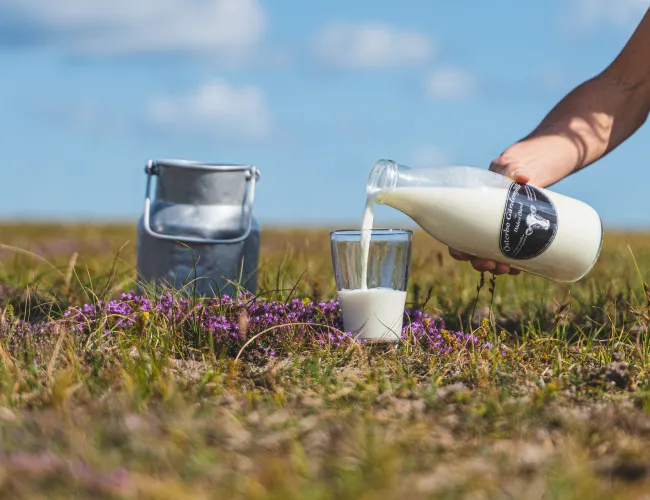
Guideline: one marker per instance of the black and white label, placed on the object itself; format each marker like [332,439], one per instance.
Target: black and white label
[529,223]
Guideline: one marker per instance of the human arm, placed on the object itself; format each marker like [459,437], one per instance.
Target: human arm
[588,123]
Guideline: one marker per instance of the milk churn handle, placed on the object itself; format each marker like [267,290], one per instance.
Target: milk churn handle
[151,170]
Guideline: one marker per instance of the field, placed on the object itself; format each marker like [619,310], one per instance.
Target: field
[514,387]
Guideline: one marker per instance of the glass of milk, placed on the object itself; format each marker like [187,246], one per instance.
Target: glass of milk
[373,308]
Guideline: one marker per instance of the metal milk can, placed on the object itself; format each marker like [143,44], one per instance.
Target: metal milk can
[199,233]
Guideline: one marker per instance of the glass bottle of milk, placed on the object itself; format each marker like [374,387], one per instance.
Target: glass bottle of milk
[487,215]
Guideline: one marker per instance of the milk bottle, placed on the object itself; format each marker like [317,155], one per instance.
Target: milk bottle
[487,215]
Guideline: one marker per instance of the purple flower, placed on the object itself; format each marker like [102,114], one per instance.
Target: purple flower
[275,326]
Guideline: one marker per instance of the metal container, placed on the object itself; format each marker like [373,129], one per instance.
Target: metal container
[199,233]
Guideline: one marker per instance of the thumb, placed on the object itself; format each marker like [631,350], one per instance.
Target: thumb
[504,166]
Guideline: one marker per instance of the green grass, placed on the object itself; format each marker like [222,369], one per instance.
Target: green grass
[562,413]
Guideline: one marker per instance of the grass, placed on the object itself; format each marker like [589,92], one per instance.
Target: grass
[158,409]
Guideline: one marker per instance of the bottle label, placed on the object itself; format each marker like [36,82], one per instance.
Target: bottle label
[529,223]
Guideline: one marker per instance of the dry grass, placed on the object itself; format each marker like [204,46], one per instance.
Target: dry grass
[563,413]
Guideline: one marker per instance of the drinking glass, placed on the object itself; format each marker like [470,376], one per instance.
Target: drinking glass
[374,311]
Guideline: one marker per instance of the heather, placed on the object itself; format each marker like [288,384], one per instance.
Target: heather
[257,328]
[507,387]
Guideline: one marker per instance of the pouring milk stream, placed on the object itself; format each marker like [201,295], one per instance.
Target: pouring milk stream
[487,215]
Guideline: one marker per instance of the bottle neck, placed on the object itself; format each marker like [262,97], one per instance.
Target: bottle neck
[383,175]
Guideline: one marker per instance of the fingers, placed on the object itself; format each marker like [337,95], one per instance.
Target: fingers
[520,177]
[501,269]
[496,268]
[458,255]
[506,166]
[484,265]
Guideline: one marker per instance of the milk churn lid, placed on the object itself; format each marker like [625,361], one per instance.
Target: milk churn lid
[152,166]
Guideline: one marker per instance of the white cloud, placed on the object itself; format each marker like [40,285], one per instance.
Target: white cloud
[590,14]
[214,109]
[371,45]
[87,116]
[450,83]
[227,28]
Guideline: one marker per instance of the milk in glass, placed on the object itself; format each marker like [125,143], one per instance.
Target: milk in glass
[373,313]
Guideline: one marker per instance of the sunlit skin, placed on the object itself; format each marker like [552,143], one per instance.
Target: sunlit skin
[589,122]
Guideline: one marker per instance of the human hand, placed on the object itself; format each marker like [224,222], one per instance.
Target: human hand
[590,121]
[538,161]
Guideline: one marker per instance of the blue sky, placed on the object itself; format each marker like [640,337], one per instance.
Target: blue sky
[310,92]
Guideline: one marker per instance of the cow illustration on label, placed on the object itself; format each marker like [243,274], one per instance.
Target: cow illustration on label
[534,221]
[530,222]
